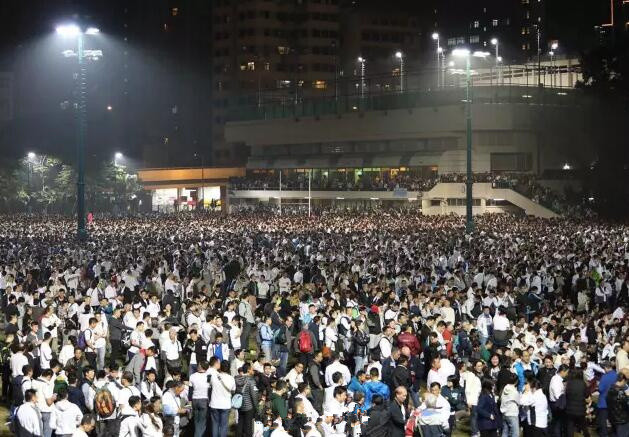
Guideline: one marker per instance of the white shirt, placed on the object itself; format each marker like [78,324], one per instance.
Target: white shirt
[18,361]
[172,404]
[385,348]
[149,429]
[336,366]
[171,349]
[123,399]
[45,355]
[436,376]
[200,385]
[223,385]
[29,418]
[150,389]
[556,388]
[44,391]
[130,425]
[501,323]
[539,402]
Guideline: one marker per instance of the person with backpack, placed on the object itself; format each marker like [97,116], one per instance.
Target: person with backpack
[27,420]
[131,425]
[87,342]
[246,387]
[20,384]
[223,387]
[305,345]
[45,400]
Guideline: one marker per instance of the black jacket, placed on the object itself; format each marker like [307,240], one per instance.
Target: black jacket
[378,424]
[576,392]
[617,406]
[401,377]
[397,421]
[361,343]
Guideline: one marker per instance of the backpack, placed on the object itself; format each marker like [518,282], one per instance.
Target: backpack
[279,336]
[104,403]
[305,342]
[237,396]
[14,424]
[81,343]
[342,330]
[18,396]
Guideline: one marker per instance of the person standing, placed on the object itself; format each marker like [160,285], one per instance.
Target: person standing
[88,423]
[245,311]
[200,400]
[67,415]
[45,400]
[537,415]
[116,329]
[28,415]
[223,386]
[606,382]
[488,414]
[398,413]
[557,400]
[510,408]
[250,399]
[618,406]
[575,395]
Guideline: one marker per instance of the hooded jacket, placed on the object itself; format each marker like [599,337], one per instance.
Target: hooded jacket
[67,416]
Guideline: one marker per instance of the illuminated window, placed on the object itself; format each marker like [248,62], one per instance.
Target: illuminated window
[320,84]
[267,66]
[476,24]
[174,11]
[251,66]
[283,50]
[494,22]
[474,39]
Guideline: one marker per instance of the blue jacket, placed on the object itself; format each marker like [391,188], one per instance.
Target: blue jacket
[607,380]
[375,388]
[355,386]
[519,370]
[485,409]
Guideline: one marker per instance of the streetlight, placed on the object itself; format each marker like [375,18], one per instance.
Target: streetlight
[361,61]
[31,156]
[435,37]
[109,107]
[118,156]
[74,31]
[465,53]
[553,47]
[400,56]
[495,42]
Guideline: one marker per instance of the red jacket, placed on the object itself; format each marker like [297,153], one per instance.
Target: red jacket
[408,339]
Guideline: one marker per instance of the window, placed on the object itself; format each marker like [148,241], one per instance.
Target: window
[476,24]
[451,41]
[251,66]
[460,40]
[283,50]
[174,12]
[319,84]
[494,22]
[474,39]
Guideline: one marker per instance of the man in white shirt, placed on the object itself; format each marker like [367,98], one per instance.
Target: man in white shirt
[67,415]
[172,404]
[223,386]
[18,361]
[337,366]
[45,352]
[28,415]
[87,426]
[501,328]
[127,391]
[149,387]
[200,389]
[131,424]
[556,390]
[45,399]
[434,375]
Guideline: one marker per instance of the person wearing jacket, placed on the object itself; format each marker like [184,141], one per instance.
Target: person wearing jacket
[488,414]
[67,415]
[398,412]
[576,394]
[357,384]
[455,395]
[278,403]
[361,346]
[116,329]
[138,364]
[250,399]
[606,382]
[618,406]
[407,338]
[523,365]
[473,387]
[379,419]
[375,387]
[316,380]
[401,376]
[510,408]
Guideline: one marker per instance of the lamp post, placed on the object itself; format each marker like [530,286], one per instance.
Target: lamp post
[496,42]
[400,56]
[553,47]
[435,37]
[465,53]
[74,31]
[361,61]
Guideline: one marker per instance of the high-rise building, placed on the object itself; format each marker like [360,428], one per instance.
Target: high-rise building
[290,47]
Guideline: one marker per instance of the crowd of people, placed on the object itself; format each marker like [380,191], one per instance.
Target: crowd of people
[388,325]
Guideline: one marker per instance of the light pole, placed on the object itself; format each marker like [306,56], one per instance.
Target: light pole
[400,56]
[465,53]
[29,160]
[495,42]
[554,46]
[74,31]
[361,61]
[435,37]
